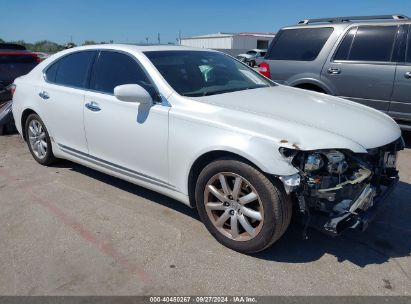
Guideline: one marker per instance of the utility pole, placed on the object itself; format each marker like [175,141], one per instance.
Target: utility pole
[158,38]
[147,40]
[179,37]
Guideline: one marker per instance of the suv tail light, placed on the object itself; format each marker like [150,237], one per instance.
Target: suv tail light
[265,69]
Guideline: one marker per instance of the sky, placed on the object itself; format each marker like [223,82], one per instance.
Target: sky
[127,21]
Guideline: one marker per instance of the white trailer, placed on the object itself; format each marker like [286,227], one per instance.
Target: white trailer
[231,43]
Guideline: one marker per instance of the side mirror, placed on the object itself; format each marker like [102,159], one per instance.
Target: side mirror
[132,93]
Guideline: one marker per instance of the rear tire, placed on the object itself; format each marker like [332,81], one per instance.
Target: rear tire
[38,140]
[247,220]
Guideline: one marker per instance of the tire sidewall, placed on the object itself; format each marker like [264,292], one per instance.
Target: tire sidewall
[271,216]
[49,154]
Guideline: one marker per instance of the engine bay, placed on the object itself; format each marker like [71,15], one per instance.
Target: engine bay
[338,183]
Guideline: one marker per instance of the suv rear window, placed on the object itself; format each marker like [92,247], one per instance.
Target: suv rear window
[299,44]
[18,57]
[368,43]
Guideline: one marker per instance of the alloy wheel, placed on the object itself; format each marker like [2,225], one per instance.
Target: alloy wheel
[233,206]
[37,139]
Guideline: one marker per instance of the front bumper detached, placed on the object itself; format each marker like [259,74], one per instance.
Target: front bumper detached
[369,205]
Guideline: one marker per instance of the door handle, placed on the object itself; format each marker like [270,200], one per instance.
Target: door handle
[44,95]
[334,71]
[407,75]
[93,106]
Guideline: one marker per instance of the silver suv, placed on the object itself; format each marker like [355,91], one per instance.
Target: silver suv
[366,59]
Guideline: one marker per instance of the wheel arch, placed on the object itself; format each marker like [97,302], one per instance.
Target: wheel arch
[312,84]
[206,158]
[24,117]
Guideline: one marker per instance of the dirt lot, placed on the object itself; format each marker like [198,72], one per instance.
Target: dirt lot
[69,230]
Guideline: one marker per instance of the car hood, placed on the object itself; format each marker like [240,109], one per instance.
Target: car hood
[305,120]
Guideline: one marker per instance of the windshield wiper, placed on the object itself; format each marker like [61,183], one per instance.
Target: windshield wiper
[232,90]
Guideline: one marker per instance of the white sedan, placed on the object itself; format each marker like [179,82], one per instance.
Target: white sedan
[206,130]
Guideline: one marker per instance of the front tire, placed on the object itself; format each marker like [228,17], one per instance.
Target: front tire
[38,140]
[240,206]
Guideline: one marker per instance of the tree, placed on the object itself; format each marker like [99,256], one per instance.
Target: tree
[2,41]
[89,42]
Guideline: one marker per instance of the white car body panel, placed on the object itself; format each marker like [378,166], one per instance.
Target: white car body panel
[142,146]
[156,147]
[64,105]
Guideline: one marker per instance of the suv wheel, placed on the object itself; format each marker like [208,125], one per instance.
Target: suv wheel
[38,140]
[241,207]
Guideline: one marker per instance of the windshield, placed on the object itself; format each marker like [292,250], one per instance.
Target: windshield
[251,53]
[199,73]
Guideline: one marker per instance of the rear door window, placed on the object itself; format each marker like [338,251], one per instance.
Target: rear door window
[52,71]
[72,70]
[368,43]
[115,68]
[299,44]
[345,46]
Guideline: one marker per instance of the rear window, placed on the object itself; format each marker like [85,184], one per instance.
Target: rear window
[299,44]
[12,46]
[16,58]
[15,64]
[368,43]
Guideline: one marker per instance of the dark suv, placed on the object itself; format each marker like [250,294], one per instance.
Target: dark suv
[366,59]
[15,61]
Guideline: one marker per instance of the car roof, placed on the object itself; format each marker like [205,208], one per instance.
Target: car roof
[138,48]
[343,22]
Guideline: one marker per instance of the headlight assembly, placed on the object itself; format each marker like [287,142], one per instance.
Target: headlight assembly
[332,161]
[313,162]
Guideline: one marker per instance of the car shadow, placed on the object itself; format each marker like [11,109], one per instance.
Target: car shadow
[389,236]
[129,187]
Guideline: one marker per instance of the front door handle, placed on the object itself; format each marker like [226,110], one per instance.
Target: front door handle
[93,106]
[44,95]
[334,71]
[407,75]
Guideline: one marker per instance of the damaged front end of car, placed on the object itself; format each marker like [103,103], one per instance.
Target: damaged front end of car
[337,189]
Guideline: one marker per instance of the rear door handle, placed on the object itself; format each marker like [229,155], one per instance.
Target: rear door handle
[407,75]
[334,71]
[44,95]
[93,106]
